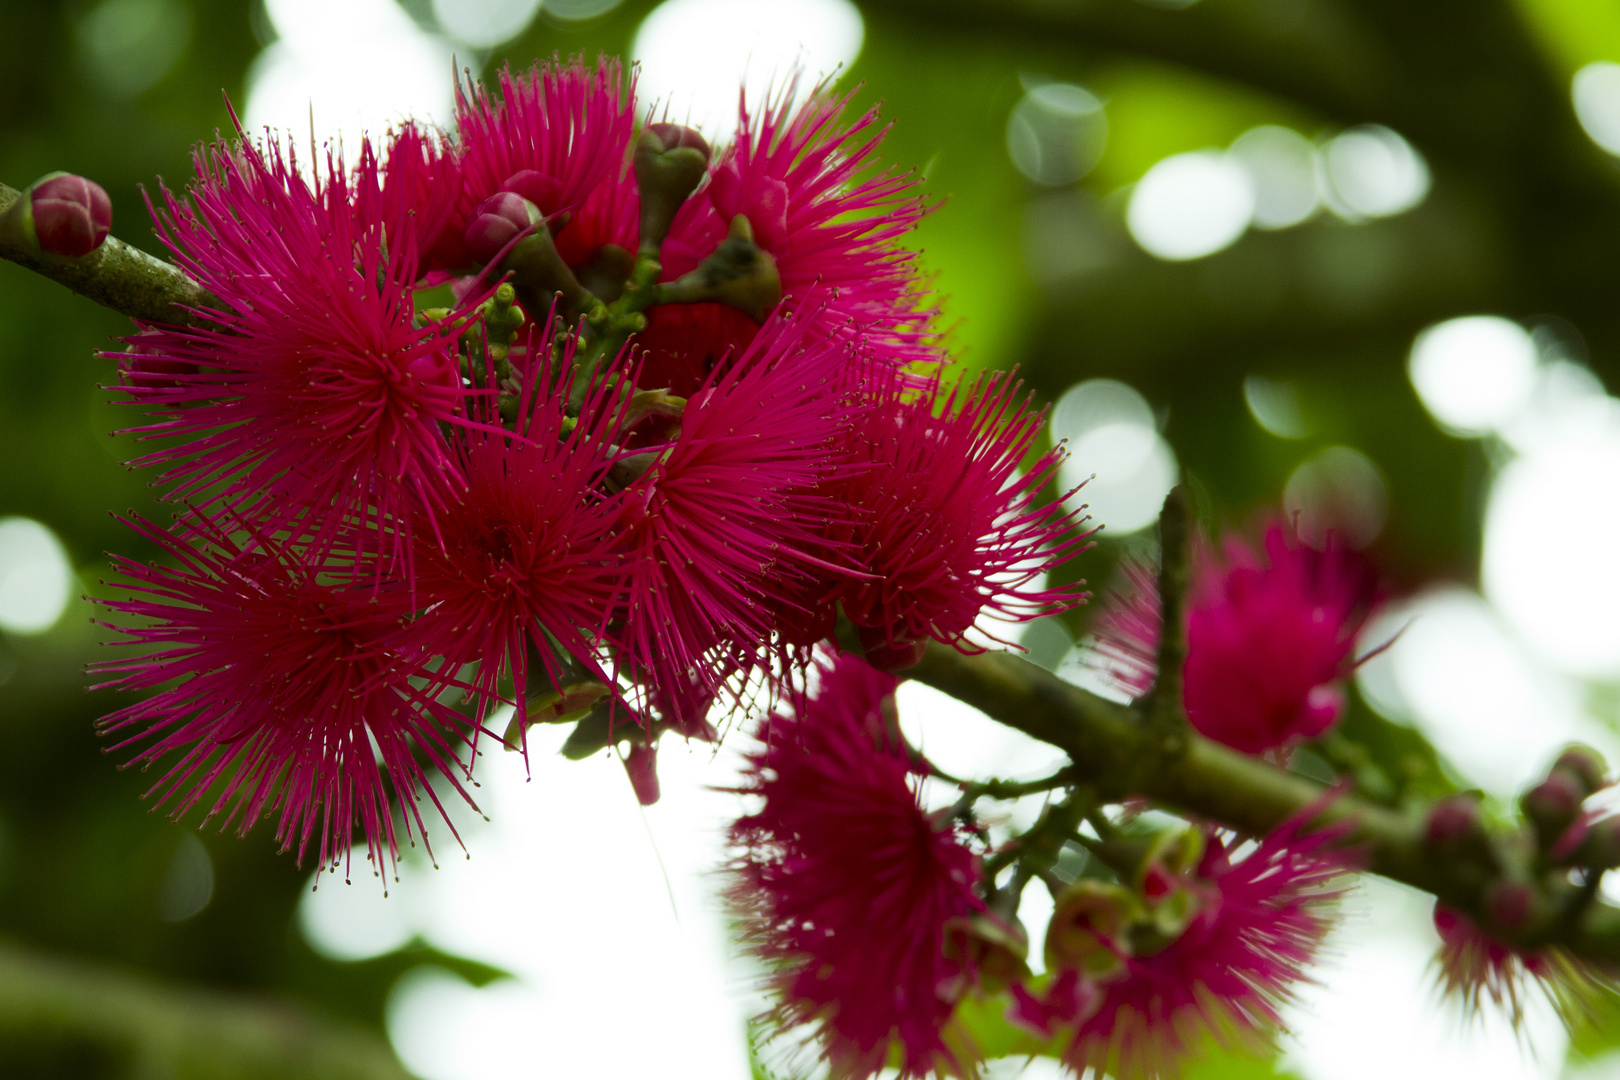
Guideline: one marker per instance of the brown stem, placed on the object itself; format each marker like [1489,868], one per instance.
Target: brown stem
[117,276]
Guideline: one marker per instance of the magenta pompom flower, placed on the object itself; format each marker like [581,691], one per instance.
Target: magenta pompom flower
[1256,920]
[310,392]
[846,887]
[945,524]
[421,189]
[806,184]
[556,133]
[1270,639]
[526,552]
[1474,966]
[726,517]
[280,691]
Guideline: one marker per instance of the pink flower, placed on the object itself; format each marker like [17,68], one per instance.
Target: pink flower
[421,188]
[310,392]
[1268,641]
[833,226]
[806,184]
[278,690]
[726,517]
[846,887]
[1474,966]
[556,134]
[1257,920]
[525,553]
[947,527]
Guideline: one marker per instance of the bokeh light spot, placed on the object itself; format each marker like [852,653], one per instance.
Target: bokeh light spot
[349,69]
[1056,133]
[1456,672]
[188,884]
[1473,373]
[484,24]
[1274,404]
[696,54]
[1281,164]
[1111,433]
[1338,491]
[35,576]
[1370,171]
[1596,94]
[129,45]
[1190,205]
[354,921]
[1550,529]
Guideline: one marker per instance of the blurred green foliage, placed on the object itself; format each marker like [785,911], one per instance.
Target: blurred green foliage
[1523,221]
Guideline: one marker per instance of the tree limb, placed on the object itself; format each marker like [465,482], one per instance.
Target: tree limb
[116,275]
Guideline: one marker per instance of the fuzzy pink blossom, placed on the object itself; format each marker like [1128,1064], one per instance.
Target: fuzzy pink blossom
[421,189]
[727,516]
[807,183]
[1270,639]
[945,525]
[1259,917]
[279,691]
[309,391]
[526,552]
[809,186]
[1474,966]
[557,132]
[846,886]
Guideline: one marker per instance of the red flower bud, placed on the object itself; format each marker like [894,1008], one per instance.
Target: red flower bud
[642,765]
[537,187]
[1585,765]
[1452,820]
[496,222]
[1553,804]
[887,655]
[71,215]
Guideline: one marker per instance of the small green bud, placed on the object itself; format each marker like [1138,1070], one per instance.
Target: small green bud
[1552,805]
[670,161]
[1585,765]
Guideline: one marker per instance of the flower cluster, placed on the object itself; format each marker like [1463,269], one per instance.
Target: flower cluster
[876,917]
[552,411]
[1269,638]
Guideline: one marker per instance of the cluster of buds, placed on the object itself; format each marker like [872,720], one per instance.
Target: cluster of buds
[680,410]
[1538,879]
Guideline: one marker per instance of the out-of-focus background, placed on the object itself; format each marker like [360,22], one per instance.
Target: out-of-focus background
[1352,259]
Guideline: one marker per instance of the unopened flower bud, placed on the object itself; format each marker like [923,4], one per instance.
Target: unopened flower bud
[1600,848]
[991,949]
[537,188]
[497,222]
[670,161]
[641,763]
[1552,805]
[1585,765]
[71,215]
[1510,906]
[1452,821]
[1089,917]
[890,655]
